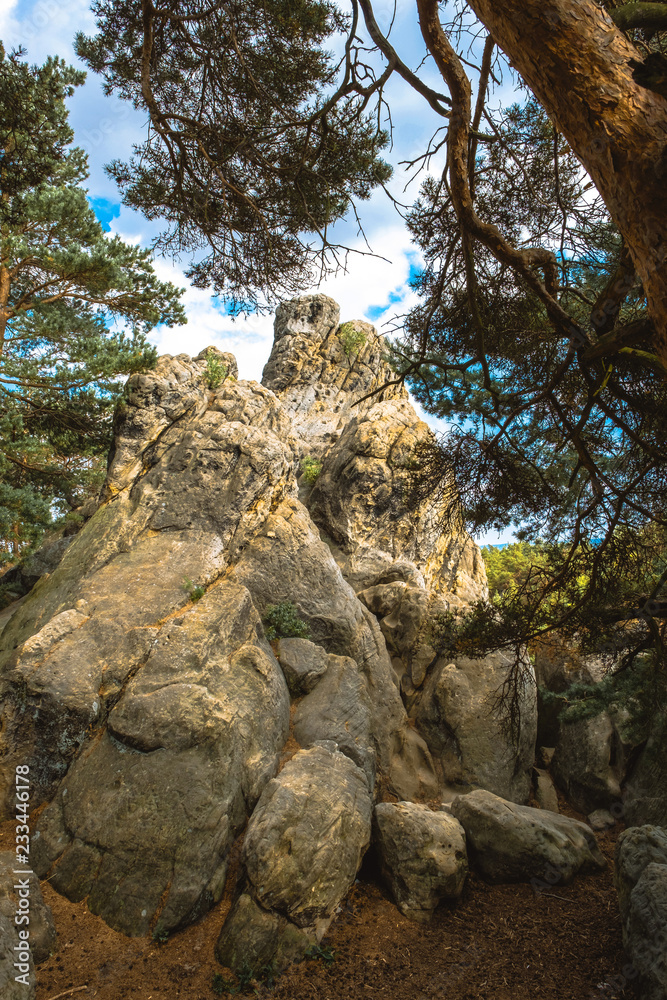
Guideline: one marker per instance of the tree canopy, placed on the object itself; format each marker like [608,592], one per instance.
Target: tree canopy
[542,325]
[75,307]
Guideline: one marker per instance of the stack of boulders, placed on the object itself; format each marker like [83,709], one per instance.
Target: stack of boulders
[160,721]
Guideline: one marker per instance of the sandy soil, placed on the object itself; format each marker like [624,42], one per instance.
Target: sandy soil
[501,942]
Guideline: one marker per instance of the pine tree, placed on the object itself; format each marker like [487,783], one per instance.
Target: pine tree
[75,308]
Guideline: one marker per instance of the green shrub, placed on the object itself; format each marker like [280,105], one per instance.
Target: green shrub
[310,469]
[351,338]
[216,371]
[195,593]
[282,622]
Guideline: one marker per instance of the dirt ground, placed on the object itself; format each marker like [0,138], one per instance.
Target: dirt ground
[502,942]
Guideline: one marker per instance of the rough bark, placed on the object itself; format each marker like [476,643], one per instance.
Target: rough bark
[577,63]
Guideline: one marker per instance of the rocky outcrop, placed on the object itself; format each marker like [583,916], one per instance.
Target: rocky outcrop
[514,843]
[320,370]
[138,683]
[641,882]
[422,855]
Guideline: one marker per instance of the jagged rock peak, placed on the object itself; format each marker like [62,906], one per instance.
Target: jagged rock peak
[320,369]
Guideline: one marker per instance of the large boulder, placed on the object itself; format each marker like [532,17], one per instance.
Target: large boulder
[301,853]
[339,710]
[637,848]
[457,713]
[143,822]
[641,882]
[513,843]
[645,791]
[422,854]
[586,765]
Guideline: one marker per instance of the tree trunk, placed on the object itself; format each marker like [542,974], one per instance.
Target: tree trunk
[576,62]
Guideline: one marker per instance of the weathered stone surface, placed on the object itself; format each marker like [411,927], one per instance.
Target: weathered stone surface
[645,799]
[645,931]
[637,848]
[253,937]
[422,854]
[144,819]
[601,819]
[585,763]
[514,843]
[318,382]
[43,939]
[358,502]
[545,791]
[307,836]
[339,710]
[641,883]
[287,560]
[455,713]
[303,663]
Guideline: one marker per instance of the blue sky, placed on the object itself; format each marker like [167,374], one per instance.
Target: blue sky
[373,288]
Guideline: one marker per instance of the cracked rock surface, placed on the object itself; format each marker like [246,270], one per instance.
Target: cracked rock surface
[136,679]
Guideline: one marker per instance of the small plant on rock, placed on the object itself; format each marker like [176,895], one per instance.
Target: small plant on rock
[195,593]
[351,338]
[310,469]
[216,371]
[281,621]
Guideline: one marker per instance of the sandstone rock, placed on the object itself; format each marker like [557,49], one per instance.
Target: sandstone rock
[144,819]
[645,931]
[545,791]
[645,799]
[253,937]
[455,713]
[422,854]
[307,836]
[637,848]
[319,383]
[339,710]
[287,560]
[513,843]
[358,501]
[303,664]
[601,819]
[585,764]
[152,717]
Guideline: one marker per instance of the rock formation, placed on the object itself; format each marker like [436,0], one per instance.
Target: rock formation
[158,720]
[641,882]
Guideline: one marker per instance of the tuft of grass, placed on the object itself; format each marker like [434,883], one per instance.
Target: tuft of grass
[282,622]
